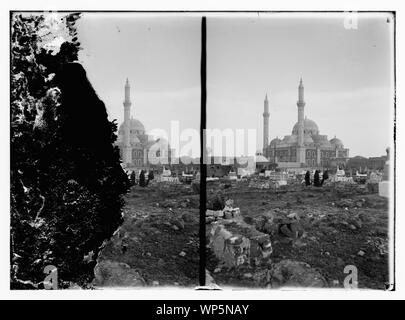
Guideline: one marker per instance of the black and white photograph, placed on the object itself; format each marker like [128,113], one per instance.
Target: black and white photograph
[300,135]
[186,153]
[99,197]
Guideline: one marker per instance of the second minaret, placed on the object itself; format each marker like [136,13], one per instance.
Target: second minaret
[301,106]
[127,152]
[266,116]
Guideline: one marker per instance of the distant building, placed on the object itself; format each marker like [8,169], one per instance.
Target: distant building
[357,163]
[305,147]
[184,164]
[221,166]
[362,163]
[376,163]
[134,144]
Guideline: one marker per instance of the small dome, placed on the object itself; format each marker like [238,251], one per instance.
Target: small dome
[321,140]
[337,143]
[290,139]
[261,158]
[310,127]
[326,144]
[136,126]
[274,142]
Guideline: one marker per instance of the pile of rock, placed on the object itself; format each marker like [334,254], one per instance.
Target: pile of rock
[349,189]
[169,188]
[236,243]
[260,184]
[109,273]
[342,179]
[233,241]
[266,183]
[228,212]
[290,273]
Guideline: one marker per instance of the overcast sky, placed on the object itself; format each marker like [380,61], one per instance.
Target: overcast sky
[159,53]
[347,75]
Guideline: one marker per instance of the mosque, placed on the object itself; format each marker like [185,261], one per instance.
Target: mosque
[305,147]
[134,144]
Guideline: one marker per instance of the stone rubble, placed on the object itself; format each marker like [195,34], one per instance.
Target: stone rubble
[157,243]
[290,273]
[313,232]
[109,273]
[235,242]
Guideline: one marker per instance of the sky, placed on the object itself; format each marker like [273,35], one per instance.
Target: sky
[160,54]
[347,75]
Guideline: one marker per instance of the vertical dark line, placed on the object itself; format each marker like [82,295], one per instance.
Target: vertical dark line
[395,146]
[10,245]
[203,168]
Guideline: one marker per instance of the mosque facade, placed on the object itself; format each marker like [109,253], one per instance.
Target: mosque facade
[305,146]
[138,150]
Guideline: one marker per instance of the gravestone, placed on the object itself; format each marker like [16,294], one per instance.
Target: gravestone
[383,186]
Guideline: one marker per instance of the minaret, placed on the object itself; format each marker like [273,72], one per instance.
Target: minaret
[127,152]
[266,125]
[301,106]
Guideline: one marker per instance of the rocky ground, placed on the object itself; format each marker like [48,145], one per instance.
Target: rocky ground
[314,234]
[157,244]
[280,236]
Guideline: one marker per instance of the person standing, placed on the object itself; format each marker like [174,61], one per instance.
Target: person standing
[132,178]
[316,179]
[307,178]
[142,181]
[151,176]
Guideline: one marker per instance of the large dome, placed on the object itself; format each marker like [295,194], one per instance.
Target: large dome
[310,127]
[136,126]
